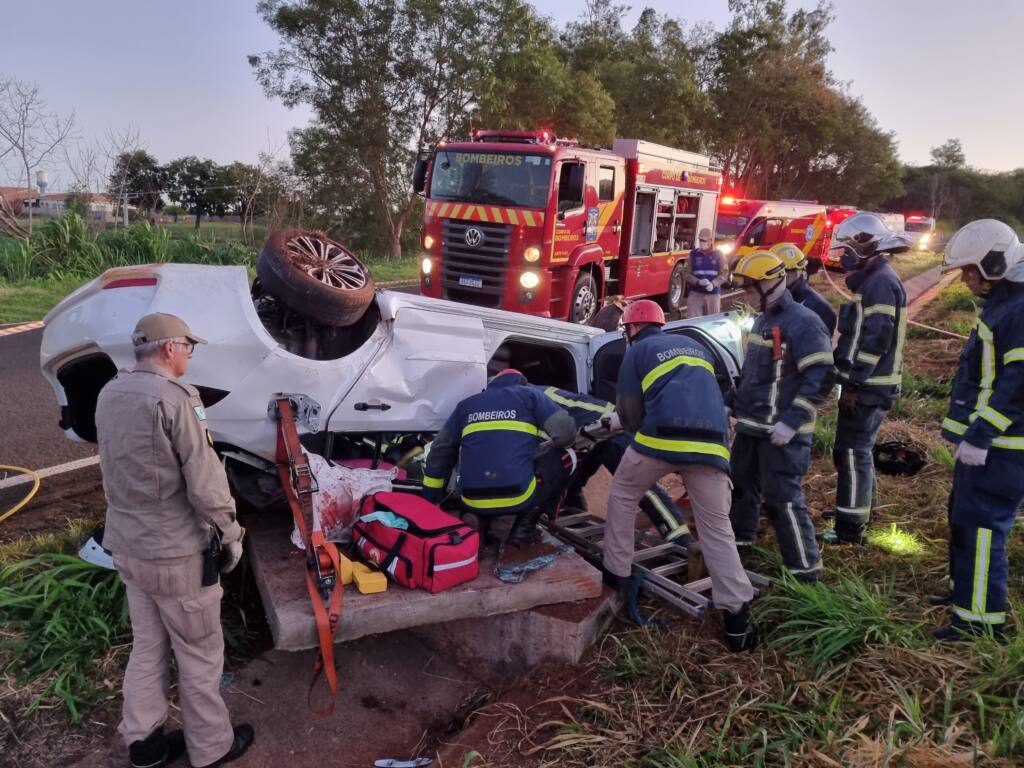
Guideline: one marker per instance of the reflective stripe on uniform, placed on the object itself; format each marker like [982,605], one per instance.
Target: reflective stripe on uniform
[676,529]
[851,465]
[881,309]
[982,618]
[995,418]
[1015,355]
[807,405]
[815,358]
[988,365]
[682,446]
[552,393]
[513,501]
[796,535]
[896,377]
[858,512]
[433,482]
[507,425]
[773,395]
[807,429]
[867,357]
[756,424]
[951,425]
[979,589]
[858,320]
[1012,443]
[670,365]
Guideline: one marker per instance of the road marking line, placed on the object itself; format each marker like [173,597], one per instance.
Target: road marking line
[60,469]
[21,328]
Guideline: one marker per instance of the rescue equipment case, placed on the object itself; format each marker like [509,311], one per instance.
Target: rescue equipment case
[417,544]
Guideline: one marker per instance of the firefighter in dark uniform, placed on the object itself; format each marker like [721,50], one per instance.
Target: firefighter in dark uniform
[590,412]
[495,436]
[986,422]
[799,286]
[669,399]
[787,374]
[869,358]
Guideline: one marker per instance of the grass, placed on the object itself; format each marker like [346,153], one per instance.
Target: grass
[913,263]
[31,299]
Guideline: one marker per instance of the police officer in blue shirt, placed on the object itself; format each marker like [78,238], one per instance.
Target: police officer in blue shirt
[668,397]
[495,436]
[786,376]
[986,423]
[869,358]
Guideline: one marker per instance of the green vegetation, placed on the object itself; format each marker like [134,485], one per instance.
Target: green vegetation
[913,263]
[31,299]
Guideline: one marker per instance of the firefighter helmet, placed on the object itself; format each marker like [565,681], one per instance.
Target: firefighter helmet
[759,265]
[865,235]
[790,255]
[643,311]
[506,371]
[990,245]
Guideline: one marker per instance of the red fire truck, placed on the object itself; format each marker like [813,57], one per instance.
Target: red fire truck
[521,220]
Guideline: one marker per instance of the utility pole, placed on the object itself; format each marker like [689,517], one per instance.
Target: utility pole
[124,210]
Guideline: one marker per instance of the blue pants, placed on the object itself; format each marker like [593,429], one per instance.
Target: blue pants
[983,508]
[855,467]
[656,503]
[772,477]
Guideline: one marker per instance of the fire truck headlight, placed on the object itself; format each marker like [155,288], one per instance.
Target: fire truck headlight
[532,254]
[725,248]
[428,242]
[427,266]
[529,279]
[925,238]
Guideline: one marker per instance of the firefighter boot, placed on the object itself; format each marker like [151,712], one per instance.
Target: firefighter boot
[966,631]
[524,530]
[244,737]
[946,598]
[157,749]
[843,533]
[739,630]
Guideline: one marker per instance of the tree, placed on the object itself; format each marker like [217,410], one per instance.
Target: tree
[29,132]
[949,155]
[137,175]
[386,79]
[191,183]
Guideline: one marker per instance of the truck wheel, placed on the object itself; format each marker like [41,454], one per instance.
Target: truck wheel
[315,276]
[676,282]
[584,299]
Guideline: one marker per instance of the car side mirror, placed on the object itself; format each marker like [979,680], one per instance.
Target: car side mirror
[419,176]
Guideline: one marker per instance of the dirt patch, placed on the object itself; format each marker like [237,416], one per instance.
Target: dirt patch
[61,499]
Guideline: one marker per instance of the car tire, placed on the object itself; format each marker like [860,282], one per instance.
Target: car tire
[584,302]
[676,290]
[315,276]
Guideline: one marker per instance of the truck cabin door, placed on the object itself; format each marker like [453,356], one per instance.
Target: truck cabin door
[611,180]
[762,234]
[571,220]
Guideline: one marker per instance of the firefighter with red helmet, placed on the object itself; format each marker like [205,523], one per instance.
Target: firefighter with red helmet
[669,399]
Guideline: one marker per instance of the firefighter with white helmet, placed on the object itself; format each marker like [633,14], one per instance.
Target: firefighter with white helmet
[869,359]
[986,423]
[799,286]
[668,397]
[786,376]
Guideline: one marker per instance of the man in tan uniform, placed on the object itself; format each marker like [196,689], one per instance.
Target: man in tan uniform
[166,496]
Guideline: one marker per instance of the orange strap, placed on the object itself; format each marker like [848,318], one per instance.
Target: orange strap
[322,555]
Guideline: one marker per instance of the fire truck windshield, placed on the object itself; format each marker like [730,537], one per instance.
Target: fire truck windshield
[497,178]
[729,227]
[926,225]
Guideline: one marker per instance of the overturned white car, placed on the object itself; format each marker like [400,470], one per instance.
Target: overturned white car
[373,391]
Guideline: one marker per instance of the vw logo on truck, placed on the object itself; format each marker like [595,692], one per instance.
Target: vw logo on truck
[473,237]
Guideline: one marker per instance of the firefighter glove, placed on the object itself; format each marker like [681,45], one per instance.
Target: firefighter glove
[848,399]
[232,554]
[971,455]
[781,434]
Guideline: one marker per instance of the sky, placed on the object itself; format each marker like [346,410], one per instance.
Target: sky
[928,71]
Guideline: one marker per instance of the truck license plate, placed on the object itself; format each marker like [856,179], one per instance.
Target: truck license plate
[470,281]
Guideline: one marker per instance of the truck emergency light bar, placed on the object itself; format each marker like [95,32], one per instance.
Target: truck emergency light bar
[523,137]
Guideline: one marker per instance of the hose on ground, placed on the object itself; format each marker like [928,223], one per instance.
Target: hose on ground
[28,496]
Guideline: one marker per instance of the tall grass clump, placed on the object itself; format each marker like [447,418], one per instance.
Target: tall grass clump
[17,260]
[824,439]
[828,625]
[957,298]
[58,616]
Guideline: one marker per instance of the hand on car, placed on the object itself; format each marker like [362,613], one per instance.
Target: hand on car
[232,553]
[971,455]
[781,434]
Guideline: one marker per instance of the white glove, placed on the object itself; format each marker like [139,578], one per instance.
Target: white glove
[781,433]
[706,284]
[232,554]
[613,422]
[971,455]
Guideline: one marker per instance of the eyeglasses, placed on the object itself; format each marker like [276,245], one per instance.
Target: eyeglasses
[189,345]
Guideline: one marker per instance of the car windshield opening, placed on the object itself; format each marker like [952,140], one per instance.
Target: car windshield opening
[495,178]
[729,227]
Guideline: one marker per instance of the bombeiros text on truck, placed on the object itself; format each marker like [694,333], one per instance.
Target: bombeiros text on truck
[525,221]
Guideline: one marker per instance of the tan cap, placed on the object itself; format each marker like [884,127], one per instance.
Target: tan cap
[704,234]
[159,326]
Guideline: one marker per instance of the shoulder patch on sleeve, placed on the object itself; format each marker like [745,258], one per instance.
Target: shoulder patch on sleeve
[200,412]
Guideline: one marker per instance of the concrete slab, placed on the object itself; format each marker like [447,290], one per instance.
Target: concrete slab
[280,576]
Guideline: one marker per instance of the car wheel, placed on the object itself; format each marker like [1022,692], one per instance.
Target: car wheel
[584,299]
[315,276]
[675,289]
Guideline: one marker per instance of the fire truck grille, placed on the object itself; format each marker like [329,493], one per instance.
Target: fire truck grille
[474,274]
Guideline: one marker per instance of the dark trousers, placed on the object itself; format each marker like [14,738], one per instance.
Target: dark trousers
[855,467]
[772,477]
[656,503]
[982,508]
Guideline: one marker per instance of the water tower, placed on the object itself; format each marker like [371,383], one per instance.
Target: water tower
[42,181]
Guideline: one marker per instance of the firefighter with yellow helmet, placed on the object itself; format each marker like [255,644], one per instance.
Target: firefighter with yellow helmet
[785,378]
[799,285]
